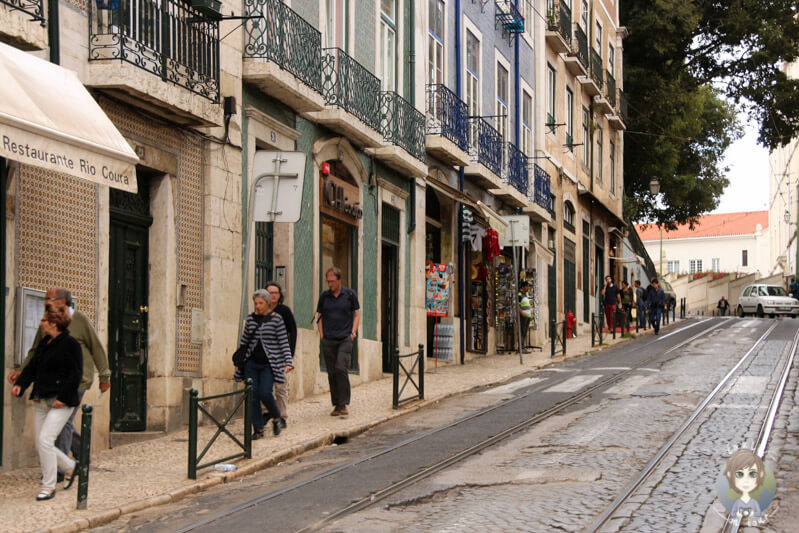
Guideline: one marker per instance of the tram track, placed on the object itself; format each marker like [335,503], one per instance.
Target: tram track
[440,465]
[696,417]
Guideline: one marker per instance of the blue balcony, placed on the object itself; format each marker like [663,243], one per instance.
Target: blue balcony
[486,144]
[508,18]
[541,188]
[447,116]
[516,166]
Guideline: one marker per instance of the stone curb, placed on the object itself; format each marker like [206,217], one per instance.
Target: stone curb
[109,515]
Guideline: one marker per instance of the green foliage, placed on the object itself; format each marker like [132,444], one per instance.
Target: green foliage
[686,65]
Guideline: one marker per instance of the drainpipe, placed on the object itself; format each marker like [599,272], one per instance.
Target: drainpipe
[461,176]
[52,32]
[412,54]
[517,90]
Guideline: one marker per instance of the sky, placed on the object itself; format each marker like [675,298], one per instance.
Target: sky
[748,174]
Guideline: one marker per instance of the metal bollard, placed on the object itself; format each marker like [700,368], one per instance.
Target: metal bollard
[84,456]
[421,371]
[552,333]
[193,394]
[248,399]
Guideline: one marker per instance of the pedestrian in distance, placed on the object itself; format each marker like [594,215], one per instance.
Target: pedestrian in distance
[723,306]
[611,299]
[525,310]
[794,288]
[640,303]
[267,359]
[55,371]
[282,389]
[339,314]
[657,301]
[94,357]
[627,298]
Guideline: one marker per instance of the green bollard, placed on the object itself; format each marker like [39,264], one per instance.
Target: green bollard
[247,418]
[85,456]
[193,394]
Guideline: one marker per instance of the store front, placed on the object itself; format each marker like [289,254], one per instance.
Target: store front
[480,287]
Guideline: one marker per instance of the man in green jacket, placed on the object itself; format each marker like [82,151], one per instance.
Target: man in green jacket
[94,356]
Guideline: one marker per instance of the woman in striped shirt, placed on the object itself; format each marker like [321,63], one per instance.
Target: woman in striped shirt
[268,356]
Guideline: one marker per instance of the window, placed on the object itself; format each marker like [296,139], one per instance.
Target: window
[501,110]
[673,267]
[527,121]
[714,264]
[527,12]
[388,45]
[612,60]
[473,82]
[745,258]
[586,140]
[552,202]
[612,164]
[334,36]
[598,38]
[435,42]
[569,120]
[584,15]
[599,140]
[551,98]
[695,266]
[568,216]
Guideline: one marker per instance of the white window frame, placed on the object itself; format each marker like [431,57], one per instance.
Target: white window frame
[527,120]
[612,60]
[598,37]
[714,264]
[388,49]
[599,155]
[335,23]
[584,16]
[569,117]
[586,136]
[612,166]
[527,11]
[552,84]
[436,42]
[673,267]
[471,80]
[502,106]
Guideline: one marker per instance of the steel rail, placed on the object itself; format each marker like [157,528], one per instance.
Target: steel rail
[658,457]
[732,524]
[530,421]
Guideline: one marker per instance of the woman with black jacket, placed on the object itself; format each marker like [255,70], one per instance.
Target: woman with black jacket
[55,372]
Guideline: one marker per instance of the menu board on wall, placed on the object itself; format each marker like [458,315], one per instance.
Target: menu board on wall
[437,292]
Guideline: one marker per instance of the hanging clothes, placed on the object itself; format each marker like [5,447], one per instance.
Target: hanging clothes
[467,220]
[492,244]
[478,234]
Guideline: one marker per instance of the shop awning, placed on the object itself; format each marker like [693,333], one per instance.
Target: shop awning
[494,219]
[452,193]
[48,119]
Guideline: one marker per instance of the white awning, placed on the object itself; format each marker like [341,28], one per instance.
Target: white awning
[48,119]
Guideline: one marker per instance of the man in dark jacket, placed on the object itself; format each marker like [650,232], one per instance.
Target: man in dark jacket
[611,298]
[640,303]
[657,300]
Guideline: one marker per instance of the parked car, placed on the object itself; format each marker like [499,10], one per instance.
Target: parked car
[671,294]
[769,300]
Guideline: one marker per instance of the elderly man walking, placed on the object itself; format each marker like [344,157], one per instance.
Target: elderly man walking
[339,314]
[94,356]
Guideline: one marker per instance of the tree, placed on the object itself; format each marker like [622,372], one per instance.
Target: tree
[687,65]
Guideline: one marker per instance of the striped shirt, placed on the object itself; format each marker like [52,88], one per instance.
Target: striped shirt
[274,340]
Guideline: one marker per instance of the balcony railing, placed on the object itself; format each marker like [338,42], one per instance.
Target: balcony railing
[610,81]
[559,18]
[284,38]
[507,14]
[542,194]
[447,116]
[582,46]
[33,8]
[596,67]
[402,124]
[486,144]
[517,168]
[623,107]
[168,38]
[350,86]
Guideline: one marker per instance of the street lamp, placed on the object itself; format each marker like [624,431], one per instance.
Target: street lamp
[654,188]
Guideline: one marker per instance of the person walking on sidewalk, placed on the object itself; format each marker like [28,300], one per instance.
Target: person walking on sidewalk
[723,306]
[94,357]
[657,300]
[627,301]
[267,359]
[640,304]
[610,300]
[282,389]
[55,371]
[339,314]
[525,311]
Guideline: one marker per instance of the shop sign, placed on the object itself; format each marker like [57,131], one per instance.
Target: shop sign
[437,292]
[337,195]
[516,233]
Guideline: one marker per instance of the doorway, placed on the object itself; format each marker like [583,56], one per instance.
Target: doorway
[599,277]
[569,277]
[388,306]
[3,172]
[128,275]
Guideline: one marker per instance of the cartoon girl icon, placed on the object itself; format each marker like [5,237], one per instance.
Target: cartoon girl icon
[745,473]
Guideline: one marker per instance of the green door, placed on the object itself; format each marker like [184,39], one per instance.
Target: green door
[552,285]
[586,274]
[127,310]
[569,277]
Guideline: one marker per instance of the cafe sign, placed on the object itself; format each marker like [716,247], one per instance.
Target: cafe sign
[340,198]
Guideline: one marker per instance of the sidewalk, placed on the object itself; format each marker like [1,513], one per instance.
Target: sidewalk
[141,475]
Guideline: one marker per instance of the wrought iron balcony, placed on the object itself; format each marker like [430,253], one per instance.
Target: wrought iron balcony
[559,19]
[33,8]
[447,116]
[486,144]
[508,16]
[402,124]
[350,86]
[582,46]
[516,166]
[596,68]
[168,38]
[542,194]
[610,81]
[284,38]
